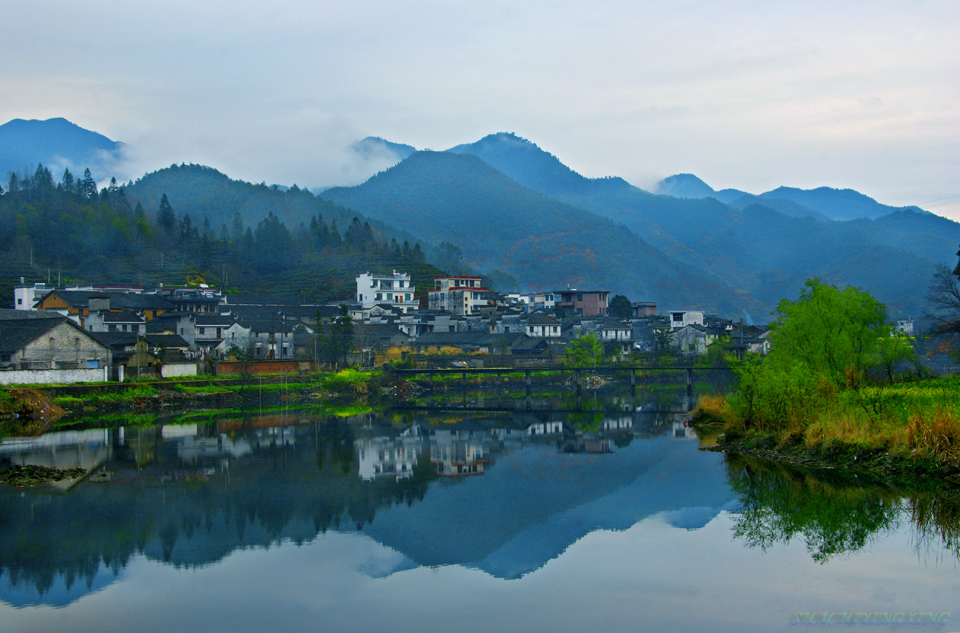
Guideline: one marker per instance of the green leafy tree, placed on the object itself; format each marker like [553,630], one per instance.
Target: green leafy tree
[836,334]
[620,307]
[585,351]
[827,342]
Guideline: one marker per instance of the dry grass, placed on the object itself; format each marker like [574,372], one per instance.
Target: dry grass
[936,436]
[711,410]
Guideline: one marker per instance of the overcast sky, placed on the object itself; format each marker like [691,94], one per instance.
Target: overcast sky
[742,93]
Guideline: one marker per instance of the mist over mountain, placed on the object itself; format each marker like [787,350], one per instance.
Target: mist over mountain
[546,244]
[510,205]
[58,144]
[374,147]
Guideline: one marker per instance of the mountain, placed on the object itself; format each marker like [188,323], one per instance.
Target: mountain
[836,204]
[58,144]
[374,147]
[685,186]
[823,203]
[764,247]
[546,244]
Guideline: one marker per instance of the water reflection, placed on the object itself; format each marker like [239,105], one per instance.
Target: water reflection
[190,494]
[502,492]
[833,514]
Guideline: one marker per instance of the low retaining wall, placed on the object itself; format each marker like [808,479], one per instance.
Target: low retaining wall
[53,376]
[176,370]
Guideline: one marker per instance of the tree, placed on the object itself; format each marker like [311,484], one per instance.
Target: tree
[585,351]
[166,219]
[943,299]
[87,186]
[827,342]
[337,340]
[449,258]
[620,307]
[832,333]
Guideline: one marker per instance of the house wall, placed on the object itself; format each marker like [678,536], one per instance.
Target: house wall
[63,344]
[53,376]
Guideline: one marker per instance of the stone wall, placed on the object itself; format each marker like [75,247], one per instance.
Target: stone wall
[52,376]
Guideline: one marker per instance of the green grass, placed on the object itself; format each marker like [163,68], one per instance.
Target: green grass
[915,421]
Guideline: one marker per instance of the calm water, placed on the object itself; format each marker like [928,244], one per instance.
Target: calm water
[421,521]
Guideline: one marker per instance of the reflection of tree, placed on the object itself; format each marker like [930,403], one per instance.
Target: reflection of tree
[778,504]
[938,521]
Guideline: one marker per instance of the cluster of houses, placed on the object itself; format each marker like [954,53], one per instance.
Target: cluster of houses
[170,328]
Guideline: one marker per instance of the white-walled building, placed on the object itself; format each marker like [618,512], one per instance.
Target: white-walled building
[394,289]
[683,318]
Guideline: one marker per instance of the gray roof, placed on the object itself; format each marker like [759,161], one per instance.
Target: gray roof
[16,334]
[125,300]
[20,315]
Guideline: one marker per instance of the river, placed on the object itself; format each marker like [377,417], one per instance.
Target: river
[421,520]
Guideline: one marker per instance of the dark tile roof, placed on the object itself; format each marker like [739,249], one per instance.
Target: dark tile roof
[124,300]
[169,341]
[214,320]
[124,316]
[15,334]
[115,340]
[20,315]
[539,318]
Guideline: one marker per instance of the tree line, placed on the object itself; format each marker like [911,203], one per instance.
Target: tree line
[96,235]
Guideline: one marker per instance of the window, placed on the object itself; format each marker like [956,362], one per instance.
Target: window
[19,302]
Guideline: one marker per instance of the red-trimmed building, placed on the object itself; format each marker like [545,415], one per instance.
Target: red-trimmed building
[459,295]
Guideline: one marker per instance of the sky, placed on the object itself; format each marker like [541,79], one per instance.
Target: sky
[745,94]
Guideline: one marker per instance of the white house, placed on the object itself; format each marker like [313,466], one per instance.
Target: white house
[394,289]
[539,325]
[683,318]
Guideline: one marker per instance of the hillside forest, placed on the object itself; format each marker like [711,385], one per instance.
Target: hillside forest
[67,229]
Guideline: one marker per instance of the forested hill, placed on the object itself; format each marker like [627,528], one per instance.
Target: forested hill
[543,242]
[753,243]
[106,236]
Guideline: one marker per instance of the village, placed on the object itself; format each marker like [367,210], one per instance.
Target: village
[99,333]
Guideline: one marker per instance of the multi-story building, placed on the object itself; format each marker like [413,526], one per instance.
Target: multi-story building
[582,302]
[394,289]
[459,295]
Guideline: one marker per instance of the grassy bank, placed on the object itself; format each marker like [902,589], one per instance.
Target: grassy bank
[140,402]
[908,427]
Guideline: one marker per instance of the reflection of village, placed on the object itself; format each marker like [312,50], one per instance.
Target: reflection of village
[382,450]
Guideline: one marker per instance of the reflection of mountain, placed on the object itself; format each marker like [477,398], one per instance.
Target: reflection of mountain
[534,502]
[63,589]
[191,495]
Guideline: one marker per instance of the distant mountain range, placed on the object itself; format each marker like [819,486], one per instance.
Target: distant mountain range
[59,145]
[823,203]
[510,205]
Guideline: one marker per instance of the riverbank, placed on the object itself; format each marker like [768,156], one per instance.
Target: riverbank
[36,410]
[908,432]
